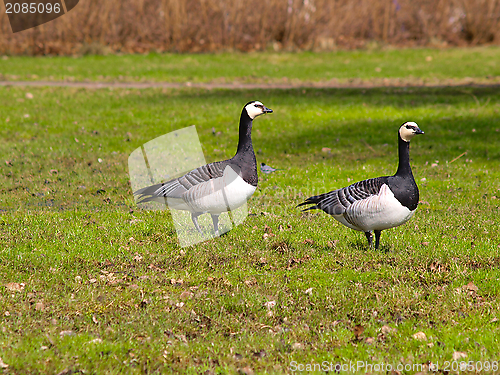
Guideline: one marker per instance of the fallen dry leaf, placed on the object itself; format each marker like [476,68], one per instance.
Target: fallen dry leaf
[332,243]
[186,295]
[251,282]
[470,286]
[369,340]
[270,304]
[358,331]
[420,336]
[259,354]
[2,364]
[66,333]
[281,247]
[294,262]
[297,346]
[245,371]
[308,291]
[181,338]
[39,306]
[459,355]
[388,330]
[14,287]
[67,371]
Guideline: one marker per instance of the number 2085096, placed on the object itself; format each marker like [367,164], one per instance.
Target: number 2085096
[34,8]
[479,366]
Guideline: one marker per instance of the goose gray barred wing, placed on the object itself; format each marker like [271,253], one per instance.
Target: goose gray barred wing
[335,202]
[178,186]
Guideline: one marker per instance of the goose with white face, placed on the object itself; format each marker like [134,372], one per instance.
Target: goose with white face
[256,108]
[217,187]
[378,203]
[408,130]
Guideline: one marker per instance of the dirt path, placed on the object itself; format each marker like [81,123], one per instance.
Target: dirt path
[354,83]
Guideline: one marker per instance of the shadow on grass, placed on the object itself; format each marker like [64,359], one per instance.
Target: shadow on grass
[448,115]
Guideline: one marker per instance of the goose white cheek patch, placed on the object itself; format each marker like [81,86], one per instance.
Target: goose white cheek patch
[170,156]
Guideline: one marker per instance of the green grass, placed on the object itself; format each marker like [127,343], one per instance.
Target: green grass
[56,228]
[94,264]
[479,64]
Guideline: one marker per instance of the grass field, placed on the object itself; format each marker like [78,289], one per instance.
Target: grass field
[93,284]
[480,64]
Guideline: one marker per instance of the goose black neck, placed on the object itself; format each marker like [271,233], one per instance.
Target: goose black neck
[245,137]
[404,168]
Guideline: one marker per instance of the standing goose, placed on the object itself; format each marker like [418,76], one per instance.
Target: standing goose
[216,187]
[378,203]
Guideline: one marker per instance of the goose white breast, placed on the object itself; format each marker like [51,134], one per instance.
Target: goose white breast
[216,187]
[378,203]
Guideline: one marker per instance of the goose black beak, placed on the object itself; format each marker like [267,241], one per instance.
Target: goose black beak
[268,110]
[419,131]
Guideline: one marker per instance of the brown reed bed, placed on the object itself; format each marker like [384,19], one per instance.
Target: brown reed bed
[214,25]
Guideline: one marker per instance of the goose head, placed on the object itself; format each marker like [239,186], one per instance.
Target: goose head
[256,108]
[408,130]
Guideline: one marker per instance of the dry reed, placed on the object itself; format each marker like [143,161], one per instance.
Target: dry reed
[214,25]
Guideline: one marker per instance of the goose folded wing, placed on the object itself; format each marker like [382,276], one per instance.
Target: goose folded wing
[335,202]
[177,187]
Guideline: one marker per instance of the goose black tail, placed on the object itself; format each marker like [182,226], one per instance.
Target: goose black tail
[147,194]
[311,200]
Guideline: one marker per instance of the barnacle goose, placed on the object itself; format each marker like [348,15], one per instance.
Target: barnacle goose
[216,187]
[378,203]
